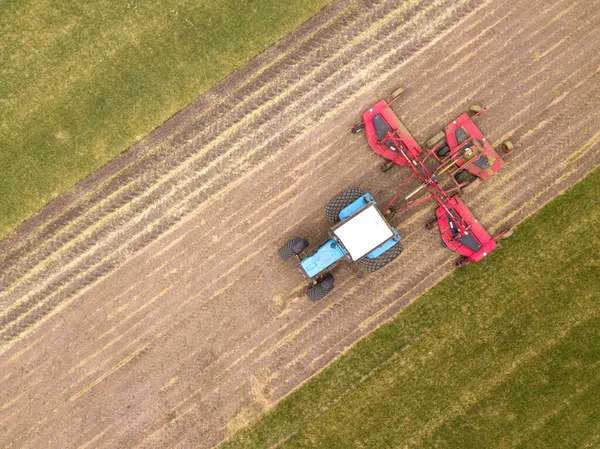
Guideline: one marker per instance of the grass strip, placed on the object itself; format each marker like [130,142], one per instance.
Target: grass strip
[504,353]
[82,81]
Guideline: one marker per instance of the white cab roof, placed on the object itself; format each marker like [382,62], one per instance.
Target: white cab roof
[364,232]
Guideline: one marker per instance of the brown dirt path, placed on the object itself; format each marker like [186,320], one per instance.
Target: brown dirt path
[147,307]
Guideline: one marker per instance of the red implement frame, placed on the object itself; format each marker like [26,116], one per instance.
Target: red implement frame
[462,148]
[467,149]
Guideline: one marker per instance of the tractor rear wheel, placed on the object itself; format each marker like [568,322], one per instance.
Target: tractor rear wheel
[397,93]
[344,199]
[435,140]
[464,176]
[321,289]
[292,248]
[372,265]
[474,110]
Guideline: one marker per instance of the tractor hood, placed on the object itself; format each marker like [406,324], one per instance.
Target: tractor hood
[328,254]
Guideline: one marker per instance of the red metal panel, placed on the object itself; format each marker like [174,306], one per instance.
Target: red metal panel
[476,241]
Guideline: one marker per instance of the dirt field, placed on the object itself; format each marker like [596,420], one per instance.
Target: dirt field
[147,307]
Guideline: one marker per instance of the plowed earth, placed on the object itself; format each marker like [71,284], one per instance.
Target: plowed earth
[147,307]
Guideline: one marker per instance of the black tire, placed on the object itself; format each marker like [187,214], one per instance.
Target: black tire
[291,248]
[431,224]
[435,140]
[321,289]
[443,152]
[372,265]
[464,177]
[387,166]
[357,128]
[462,262]
[333,209]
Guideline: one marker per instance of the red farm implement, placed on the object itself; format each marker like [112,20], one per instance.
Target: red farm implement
[460,151]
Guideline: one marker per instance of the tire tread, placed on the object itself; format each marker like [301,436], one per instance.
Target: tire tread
[372,265]
[344,199]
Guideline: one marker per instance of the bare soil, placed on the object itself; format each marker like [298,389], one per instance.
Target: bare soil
[147,307]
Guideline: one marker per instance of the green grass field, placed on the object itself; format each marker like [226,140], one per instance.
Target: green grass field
[82,81]
[505,353]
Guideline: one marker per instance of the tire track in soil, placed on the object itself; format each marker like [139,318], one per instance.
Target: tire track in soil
[234,345]
[31,306]
[253,106]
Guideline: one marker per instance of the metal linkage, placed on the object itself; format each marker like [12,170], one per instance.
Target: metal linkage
[428,181]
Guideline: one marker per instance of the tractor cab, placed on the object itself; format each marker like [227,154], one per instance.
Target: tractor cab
[365,231]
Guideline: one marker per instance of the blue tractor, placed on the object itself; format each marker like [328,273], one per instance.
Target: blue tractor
[361,234]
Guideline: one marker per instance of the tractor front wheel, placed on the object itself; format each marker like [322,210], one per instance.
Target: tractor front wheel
[340,202]
[321,288]
[292,248]
[372,265]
